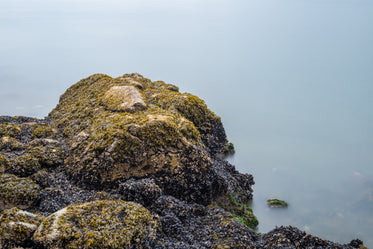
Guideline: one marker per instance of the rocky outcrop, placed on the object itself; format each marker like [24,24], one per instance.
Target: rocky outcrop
[113,136]
[128,162]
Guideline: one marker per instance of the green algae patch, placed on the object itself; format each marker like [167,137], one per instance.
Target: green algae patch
[276,203]
[240,211]
[17,192]
[97,224]
[18,226]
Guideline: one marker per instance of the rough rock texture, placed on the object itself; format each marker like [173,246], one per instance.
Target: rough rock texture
[98,224]
[128,163]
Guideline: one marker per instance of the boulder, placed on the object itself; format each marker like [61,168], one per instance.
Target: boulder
[98,224]
[110,140]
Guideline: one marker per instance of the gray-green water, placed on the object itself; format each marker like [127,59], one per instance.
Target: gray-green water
[291,79]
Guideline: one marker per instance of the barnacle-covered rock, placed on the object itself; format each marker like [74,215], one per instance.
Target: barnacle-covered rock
[292,237]
[186,225]
[17,192]
[98,224]
[171,140]
[18,226]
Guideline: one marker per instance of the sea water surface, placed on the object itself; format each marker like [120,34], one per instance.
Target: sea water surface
[291,79]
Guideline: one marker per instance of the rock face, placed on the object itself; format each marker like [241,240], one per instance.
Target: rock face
[128,163]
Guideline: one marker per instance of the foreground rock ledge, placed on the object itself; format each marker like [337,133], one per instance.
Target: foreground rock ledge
[128,163]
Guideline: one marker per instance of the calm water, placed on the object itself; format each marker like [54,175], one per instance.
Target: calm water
[291,79]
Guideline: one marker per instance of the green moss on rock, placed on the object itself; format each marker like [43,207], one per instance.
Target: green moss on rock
[18,226]
[17,192]
[240,211]
[97,224]
[276,203]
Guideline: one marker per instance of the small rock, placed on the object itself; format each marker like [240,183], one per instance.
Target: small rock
[276,203]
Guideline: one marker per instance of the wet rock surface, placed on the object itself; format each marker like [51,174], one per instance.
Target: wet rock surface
[128,163]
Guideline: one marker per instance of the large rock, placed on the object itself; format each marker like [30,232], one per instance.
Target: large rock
[98,224]
[112,138]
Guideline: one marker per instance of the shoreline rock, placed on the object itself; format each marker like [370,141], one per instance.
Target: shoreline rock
[116,148]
